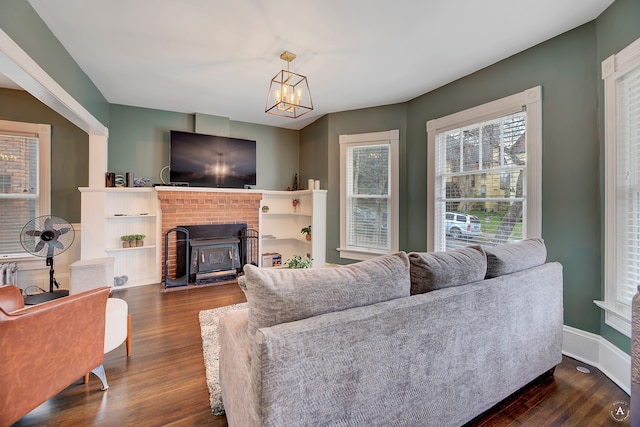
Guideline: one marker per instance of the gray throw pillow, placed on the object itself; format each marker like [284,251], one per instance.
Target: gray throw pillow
[517,256]
[284,295]
[437,270]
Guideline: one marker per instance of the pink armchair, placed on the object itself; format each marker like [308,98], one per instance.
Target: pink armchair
[44,348]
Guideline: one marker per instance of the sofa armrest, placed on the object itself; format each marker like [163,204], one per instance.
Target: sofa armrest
[46,347]
[235,369]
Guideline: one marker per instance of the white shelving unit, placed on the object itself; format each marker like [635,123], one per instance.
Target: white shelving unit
[107,214]
[280,226]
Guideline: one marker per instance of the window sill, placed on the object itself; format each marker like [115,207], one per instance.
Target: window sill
[360,254]
[17,257]
[618,319]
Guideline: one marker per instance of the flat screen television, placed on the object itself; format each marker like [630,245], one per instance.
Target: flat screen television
[200,160]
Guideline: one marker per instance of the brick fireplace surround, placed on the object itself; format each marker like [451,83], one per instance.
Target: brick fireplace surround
[199,206]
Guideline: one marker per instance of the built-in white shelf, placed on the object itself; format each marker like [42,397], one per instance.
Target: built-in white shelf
[136,248]
[109,213]
[280,226]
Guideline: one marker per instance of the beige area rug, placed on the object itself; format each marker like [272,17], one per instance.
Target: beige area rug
[211,352]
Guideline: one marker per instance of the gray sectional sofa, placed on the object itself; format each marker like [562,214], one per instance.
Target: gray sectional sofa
[419,339]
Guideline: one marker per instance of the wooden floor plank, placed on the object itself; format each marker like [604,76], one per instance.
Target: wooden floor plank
[163,382]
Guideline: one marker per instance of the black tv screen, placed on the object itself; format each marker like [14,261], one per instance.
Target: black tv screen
[211,161]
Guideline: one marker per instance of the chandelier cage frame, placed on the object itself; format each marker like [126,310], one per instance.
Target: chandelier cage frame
[289,94]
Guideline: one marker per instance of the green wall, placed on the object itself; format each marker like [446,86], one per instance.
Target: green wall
[314,153]
[139,142]
[69,150]
[277,152]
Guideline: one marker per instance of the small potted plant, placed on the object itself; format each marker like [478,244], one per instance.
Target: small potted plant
[298,262]
[139,239]
[306,231]
[126,240]
[265,209]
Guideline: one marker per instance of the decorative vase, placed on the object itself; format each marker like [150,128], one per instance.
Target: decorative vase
[139,243]
[308,237]
[125,243]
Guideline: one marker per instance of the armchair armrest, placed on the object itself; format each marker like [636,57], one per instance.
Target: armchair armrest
[46,347]
[10,298]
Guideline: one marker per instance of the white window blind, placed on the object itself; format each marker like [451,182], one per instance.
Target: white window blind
[19,189]
[628,185]
[368,196]
[480,172]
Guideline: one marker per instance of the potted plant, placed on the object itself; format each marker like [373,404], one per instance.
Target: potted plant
[306,231]
[298,262]
[265,209]
[126,240]
[139,239]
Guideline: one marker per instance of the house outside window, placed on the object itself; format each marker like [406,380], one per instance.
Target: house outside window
[484,176]
[24,181]
[621,75]
[369,194]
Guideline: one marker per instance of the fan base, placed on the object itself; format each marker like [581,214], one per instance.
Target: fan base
[45,296]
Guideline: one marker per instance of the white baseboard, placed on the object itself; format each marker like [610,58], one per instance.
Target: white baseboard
[599,353]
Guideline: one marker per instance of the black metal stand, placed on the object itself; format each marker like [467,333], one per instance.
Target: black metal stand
[52,294]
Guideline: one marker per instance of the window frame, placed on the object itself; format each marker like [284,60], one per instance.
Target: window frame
[617,315]
[392,138]
[531,101]
[43,133]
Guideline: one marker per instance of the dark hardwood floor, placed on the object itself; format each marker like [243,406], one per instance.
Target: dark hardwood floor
[163,382]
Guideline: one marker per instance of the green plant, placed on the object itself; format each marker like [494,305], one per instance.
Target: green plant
[128,237]
[139,236]
[298,262]
[306,230]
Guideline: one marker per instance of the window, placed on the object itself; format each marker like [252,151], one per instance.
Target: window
[484,177]
[369,194]
[24,180]
[621,74]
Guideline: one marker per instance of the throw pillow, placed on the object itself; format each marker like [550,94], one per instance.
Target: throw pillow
[517,256]
[437,270]
[284,295]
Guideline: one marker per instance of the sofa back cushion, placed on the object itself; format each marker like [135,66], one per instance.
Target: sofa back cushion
[517,256]
[437,270]
[284,295]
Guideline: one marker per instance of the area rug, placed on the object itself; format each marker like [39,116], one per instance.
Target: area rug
[211,351]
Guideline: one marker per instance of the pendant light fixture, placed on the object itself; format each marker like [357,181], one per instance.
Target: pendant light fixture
[289,94]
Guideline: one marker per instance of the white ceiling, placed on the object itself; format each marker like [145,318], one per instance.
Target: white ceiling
[217,56]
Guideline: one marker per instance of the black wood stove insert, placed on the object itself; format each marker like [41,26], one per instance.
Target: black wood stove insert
[216,252]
